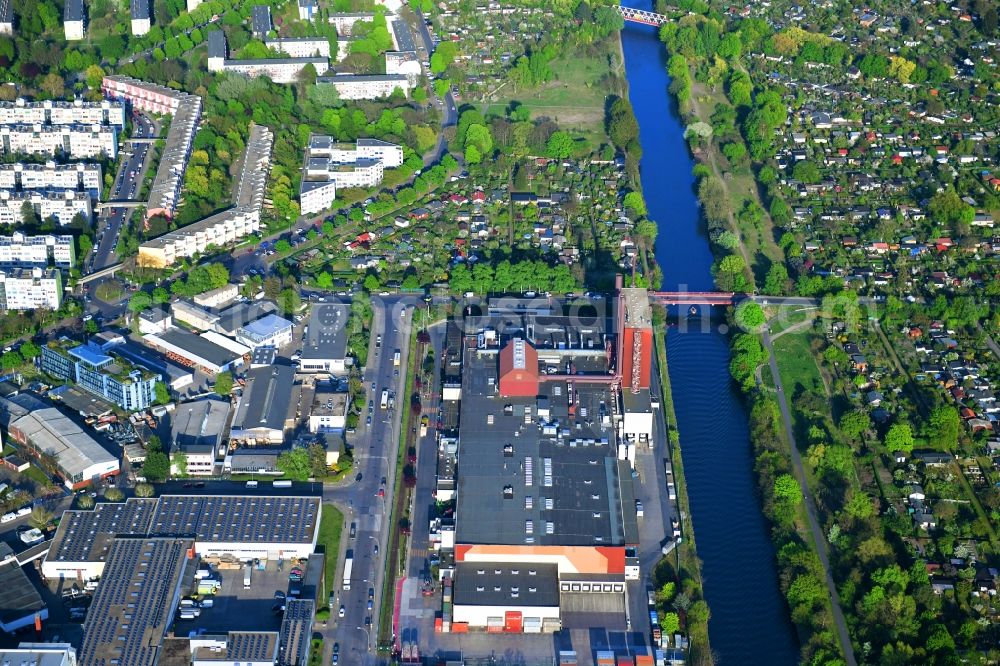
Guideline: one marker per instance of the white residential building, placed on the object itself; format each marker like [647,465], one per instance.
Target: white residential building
[73,20]
[307,9]
[389,154]
[21,251]
[30,289]
[228,226]
[403,63]
[6,17]
[315,197]
[329,166]
[279,70]
[49,112]
[52,176]
[356,86]
[345,22]
[62,206]
[74,141]
[301,47]
[141,16]
[186,109]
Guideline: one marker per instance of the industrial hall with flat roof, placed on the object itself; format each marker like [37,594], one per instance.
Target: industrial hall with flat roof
[545,521]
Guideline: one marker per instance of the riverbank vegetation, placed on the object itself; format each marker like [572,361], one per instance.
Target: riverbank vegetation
[704,55]
[882,214]
[677,577]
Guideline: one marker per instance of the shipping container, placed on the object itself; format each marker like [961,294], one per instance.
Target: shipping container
[513,622]
[437,625]
[651,597]
[567,658]
[459,627]
[605,658]
[533,625]
[625,661]
[643,660]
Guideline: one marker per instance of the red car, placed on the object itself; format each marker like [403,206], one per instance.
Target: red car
[380,493]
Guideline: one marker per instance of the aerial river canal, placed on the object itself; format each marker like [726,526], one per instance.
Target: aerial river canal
[749,623]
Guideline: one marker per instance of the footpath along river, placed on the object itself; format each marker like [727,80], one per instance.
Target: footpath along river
[749,623]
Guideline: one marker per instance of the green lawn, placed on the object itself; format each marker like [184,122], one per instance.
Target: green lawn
[799,372]
[574,98]
[37,475]
[330,527]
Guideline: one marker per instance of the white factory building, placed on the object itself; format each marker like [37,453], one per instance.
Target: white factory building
[362,86]
[21,251]
[73,141]
[60,206]
[30,289]
[240,526]
[52,176]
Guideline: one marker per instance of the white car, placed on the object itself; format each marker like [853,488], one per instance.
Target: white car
[342,612]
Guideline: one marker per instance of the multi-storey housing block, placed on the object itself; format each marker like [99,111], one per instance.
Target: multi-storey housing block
[30,289]
[61,206]
[51,176]
[21,251]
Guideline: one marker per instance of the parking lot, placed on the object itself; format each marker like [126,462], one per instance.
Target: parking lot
[237,609]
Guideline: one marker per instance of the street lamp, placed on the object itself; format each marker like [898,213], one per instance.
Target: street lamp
[368,638]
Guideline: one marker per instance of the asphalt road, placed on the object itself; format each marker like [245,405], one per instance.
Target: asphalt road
[128,180]
[375,451]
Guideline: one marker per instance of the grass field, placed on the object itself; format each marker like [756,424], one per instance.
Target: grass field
[330,527]
[799,372]
[575,97]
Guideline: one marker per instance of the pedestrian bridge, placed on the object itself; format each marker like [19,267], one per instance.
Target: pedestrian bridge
[642,16]
[692,297]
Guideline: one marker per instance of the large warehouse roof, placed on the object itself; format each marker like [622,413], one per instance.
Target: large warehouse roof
[199,425]
[195,348]
[506,584]
[52,432]
[86,536]
[536,470]
[266,398]
[132,606]
[237,518]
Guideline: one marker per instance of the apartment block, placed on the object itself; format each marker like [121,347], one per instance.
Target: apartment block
[77,177]
[73,20]
[6,17]
[228,226]
[61,206]
[403,63]
[389,154]
[142,15]
[356,86]
[21,251]
[30,289]
[49,112]
[344,22]
[307,9]
[260,21]
[102,373]
[301,47]
[186,110]
[73,141]
[279,70]
[329,166]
